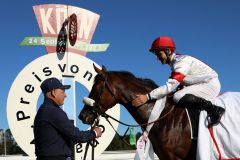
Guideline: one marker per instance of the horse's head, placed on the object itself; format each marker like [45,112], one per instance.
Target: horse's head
[101,97]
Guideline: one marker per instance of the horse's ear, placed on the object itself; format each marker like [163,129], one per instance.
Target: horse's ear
[99,71]
[104,69]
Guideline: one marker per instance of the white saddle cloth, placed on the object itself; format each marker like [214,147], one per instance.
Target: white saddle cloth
[222,142]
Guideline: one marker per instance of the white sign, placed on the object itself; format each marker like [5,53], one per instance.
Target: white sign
[25,92]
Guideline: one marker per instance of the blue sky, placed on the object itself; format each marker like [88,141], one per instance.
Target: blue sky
[207,29]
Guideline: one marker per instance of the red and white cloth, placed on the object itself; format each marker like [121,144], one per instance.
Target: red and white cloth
[222,142]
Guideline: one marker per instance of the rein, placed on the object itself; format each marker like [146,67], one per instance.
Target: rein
[106,116]
[99,111]
[92,143]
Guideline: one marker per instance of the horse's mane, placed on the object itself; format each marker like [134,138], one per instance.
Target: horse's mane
[130,76]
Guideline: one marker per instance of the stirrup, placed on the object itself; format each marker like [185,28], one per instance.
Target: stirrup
[211,123]
[214,120]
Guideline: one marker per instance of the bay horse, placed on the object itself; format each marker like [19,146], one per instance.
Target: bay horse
[170,136]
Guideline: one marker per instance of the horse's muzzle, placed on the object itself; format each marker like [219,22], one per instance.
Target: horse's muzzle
[87,117]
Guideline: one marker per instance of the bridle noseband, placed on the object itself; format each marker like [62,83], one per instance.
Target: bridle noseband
[98,107]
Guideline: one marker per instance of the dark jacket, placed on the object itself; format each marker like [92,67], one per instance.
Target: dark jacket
[54,133]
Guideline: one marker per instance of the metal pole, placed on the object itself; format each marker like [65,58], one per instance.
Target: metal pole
[5,144]
[70,103]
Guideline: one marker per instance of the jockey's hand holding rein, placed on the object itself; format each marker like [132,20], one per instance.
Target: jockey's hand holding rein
[140,100]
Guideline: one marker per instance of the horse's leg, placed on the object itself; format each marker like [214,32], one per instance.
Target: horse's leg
[167,148]
[179,152]
[168,154]
[157,147]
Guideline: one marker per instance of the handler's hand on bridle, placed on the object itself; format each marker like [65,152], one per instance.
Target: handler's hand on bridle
[98,132]
[139,100]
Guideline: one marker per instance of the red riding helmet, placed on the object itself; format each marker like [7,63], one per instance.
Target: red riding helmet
[161,43]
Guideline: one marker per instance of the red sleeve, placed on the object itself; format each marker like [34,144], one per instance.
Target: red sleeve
[178,76]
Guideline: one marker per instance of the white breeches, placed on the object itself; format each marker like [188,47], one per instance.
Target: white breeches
[208,91]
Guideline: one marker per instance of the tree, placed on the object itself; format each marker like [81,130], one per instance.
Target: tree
[11,145]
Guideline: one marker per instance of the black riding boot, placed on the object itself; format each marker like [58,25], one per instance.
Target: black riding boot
[214,112]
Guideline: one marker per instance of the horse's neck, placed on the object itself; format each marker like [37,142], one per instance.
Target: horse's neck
[142,113]
[127,92]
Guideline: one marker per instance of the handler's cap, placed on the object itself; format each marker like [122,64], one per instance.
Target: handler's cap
[51,84]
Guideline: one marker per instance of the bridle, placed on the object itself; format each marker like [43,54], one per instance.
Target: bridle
[97,108]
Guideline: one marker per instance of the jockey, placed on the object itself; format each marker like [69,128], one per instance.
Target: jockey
[201,83]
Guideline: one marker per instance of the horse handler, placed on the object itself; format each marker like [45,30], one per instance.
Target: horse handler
[53,132]
[201,83]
